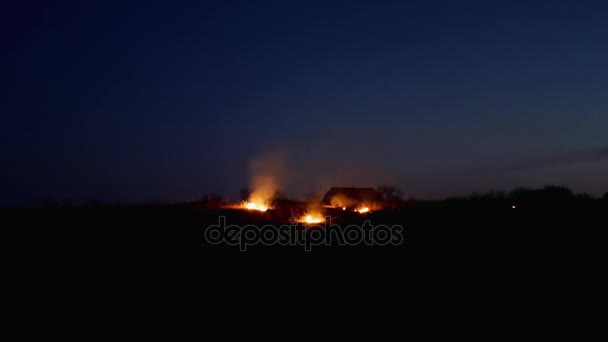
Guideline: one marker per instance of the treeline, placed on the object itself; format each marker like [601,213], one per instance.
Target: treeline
[548,196]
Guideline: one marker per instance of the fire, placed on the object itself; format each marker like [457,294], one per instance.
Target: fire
[312,218]
[256,206]
[362,210]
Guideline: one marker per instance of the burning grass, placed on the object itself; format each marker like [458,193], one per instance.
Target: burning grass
[256,206]
[246,205]
[362,210]
[312,218]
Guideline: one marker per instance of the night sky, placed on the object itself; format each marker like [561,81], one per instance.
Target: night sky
[164,101]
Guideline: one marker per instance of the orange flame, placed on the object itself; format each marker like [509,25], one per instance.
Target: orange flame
[362,210]
[255,206]
[312,218]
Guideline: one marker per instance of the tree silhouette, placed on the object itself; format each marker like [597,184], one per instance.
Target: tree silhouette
[389,192]
[313,198]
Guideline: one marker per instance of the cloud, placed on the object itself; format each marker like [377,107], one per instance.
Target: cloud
[574,157]
[602,152]
[555,160]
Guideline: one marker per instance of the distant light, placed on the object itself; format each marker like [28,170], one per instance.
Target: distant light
[513,206]
[343,208]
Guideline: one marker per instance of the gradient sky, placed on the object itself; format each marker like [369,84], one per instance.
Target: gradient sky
[144,101]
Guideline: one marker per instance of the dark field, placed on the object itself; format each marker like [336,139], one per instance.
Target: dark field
[438,234]
[452,251]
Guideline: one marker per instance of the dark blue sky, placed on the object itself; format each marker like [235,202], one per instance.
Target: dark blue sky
[142,101]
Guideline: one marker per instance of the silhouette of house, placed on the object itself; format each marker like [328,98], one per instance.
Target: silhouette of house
[352,197]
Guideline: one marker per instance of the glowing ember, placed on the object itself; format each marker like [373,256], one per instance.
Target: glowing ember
[362,210]
[256,206]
